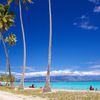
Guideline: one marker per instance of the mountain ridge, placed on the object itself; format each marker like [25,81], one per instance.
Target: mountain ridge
[66,78]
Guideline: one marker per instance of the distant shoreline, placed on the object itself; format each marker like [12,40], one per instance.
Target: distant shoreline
[61,81]
[66,78]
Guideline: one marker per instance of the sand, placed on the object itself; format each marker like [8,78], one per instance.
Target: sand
[65,90]
[10,96]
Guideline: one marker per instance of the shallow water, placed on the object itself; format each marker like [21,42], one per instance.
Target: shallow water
[65,85]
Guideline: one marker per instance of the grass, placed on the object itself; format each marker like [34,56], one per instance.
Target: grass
[24,92]
[62,95]
[73,96]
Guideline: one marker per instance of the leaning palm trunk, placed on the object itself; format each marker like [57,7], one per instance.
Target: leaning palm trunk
[24,43]
[7,59]
[6,73]
[47,87]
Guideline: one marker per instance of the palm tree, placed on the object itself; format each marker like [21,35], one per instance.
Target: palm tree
[11,39]
[47,87]
[23,36]
[6,21]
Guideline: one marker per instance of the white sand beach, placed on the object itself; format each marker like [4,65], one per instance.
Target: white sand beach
[11,96]
[65,90]
[60,93]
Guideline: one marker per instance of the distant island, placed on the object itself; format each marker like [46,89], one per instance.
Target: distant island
[63,79]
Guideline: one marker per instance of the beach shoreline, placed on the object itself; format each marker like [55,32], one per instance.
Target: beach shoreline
[4,95]
[66,90]
[62,90]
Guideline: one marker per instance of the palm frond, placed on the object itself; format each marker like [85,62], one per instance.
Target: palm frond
[1,25]
[6,18]
[11,39]
[2,7]
[6,7]
[30,1]
[9,1]
[17,2]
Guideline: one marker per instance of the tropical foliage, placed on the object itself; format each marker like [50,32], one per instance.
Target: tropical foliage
[6,21]
[4,78]
[6,18]
[11,39]
[17,2]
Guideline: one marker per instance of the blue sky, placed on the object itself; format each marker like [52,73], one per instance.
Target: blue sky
[76,37]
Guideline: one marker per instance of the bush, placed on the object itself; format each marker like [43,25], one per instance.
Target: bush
[7,78]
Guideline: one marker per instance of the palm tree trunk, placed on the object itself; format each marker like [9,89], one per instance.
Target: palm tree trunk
[47,87]
[8,62]
[24,48]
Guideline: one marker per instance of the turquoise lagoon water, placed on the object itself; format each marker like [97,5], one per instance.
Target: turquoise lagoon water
[65,85]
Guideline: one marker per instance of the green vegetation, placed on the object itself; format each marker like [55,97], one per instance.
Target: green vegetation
[6,22]
[6,18]
[4,78]
[11,39]
[73,96]
[62,95]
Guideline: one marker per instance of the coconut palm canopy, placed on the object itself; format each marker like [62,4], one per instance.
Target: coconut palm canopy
[6,21]
[24,1]
[6,18]
[17,2]
[11,39]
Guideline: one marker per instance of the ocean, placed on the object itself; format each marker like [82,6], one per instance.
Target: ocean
[65,85]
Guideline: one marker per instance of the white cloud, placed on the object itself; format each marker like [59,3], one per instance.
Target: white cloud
[96,9]
[95,1]
[84,17]
[83,22]
[59,73]
[97,6]
[95,66]
[92,62]
[29,69]
[75,23]
[87,26]
[64,72]
[2,72]
[91,73]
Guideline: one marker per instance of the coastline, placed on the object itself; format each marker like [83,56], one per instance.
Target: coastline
[65,90]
